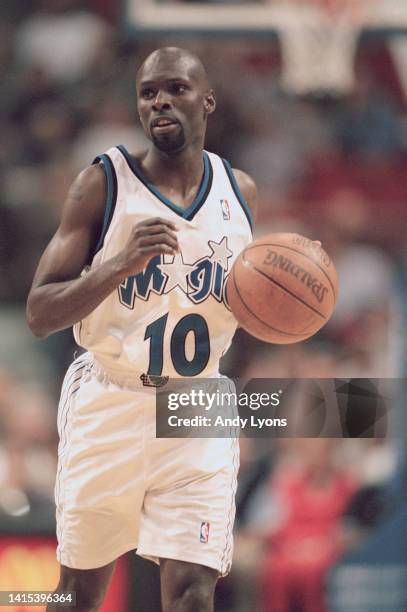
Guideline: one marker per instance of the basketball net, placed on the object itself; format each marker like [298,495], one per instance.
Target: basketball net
[318,40]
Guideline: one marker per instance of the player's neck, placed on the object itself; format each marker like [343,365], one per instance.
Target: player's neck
[182,171]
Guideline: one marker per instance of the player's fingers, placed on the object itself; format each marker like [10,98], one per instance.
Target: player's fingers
[154,229]
[159,221]
[317,243]
[160,249]
[164,238]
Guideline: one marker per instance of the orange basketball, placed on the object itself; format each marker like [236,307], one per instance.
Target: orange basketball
[282,288]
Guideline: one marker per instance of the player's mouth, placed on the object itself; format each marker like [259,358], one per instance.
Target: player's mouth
[164,125]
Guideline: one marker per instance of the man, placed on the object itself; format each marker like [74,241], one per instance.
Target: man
[157,235]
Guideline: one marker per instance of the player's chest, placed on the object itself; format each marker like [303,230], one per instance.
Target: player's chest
[216,229]
[209,243]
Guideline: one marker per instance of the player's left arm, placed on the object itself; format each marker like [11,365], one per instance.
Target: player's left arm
[249,190]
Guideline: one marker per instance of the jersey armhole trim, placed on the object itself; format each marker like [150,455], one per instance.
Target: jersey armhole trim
[111,196]
[238,193]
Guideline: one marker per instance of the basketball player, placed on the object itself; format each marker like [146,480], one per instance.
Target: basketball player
[138,266]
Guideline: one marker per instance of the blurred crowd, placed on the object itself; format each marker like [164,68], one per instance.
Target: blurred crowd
[331,168]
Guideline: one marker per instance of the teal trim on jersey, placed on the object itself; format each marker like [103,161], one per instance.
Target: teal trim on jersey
[238,193]
[200,198]
[111,196]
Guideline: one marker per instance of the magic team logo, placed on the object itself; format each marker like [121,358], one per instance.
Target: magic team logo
[204,532]
[206,277]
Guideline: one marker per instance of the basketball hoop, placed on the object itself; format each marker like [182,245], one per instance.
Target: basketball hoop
[318,40]
[318,37]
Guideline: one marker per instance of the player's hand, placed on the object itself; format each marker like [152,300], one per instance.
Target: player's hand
[148,238]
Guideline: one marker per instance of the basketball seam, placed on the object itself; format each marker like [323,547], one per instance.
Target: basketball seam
[283,246]
[261,320]
[249,263]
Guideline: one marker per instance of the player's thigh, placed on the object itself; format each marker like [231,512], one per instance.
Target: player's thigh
[99,485]
[88,585]
[187,586]
[188,514]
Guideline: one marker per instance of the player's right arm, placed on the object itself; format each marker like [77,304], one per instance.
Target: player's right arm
[59,296]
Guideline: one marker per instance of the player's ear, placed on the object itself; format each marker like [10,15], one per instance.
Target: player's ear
[209,102]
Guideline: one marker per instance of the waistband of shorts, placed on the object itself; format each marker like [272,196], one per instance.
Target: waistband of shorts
[128,379]
[131,379]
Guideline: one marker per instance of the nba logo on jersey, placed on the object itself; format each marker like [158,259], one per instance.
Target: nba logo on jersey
[224,204]
[204,532]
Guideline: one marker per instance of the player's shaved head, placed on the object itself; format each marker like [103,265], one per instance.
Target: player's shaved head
[172,83]
[172,58]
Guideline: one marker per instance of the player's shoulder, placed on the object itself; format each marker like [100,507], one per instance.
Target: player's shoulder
[248,188]
[87,195]
[92,177]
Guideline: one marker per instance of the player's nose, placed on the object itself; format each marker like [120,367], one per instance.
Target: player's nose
[161,101]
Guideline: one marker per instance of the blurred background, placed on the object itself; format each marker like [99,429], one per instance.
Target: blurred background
[312,101]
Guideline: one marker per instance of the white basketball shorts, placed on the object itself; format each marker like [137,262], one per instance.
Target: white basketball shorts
[120,488]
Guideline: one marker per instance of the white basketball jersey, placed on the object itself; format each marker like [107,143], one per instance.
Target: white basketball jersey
[171,319]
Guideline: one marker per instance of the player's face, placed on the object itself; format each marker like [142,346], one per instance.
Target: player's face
[172,104]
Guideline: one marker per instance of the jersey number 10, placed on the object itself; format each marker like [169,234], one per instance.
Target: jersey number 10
[190,323]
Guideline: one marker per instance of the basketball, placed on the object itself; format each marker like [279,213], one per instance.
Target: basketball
[282,288]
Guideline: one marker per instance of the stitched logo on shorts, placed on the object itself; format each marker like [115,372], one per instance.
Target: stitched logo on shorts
[204,532]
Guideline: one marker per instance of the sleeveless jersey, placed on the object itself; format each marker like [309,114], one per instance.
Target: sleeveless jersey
[172,319]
